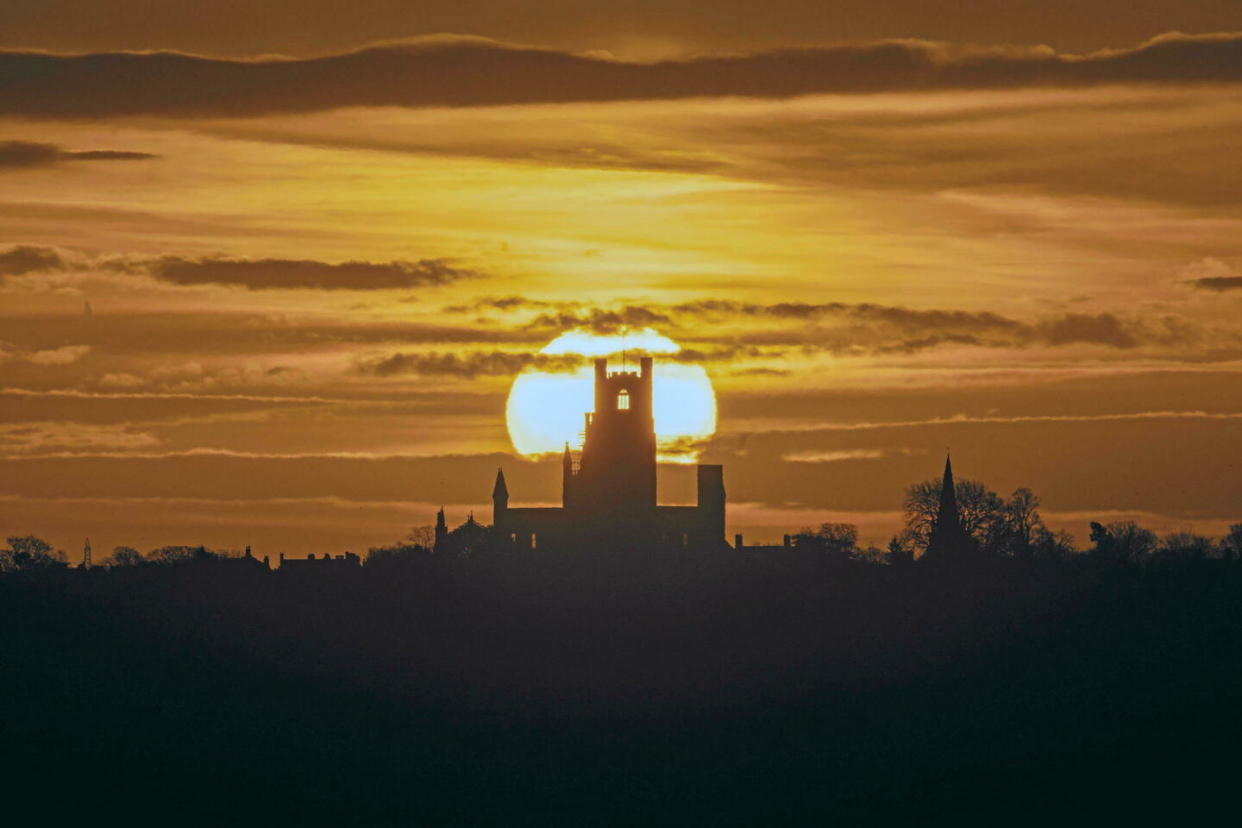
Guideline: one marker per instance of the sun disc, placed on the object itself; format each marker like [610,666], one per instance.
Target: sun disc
[546,410]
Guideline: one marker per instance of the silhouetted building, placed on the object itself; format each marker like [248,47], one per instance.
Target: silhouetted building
[949,542]
[324,563]
[740,546]
[609,493]
[249,561]
[466,539]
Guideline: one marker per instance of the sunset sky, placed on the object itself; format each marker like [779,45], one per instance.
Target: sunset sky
[268,271]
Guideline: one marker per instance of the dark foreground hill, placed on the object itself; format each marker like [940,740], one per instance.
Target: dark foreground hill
[629,690]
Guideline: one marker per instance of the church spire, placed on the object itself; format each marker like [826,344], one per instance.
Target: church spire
[948,496]
[949,542]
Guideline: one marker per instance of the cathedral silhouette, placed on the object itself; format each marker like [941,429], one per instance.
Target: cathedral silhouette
[608,497]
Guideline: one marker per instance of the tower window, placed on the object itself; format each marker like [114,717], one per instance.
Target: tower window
[623,401]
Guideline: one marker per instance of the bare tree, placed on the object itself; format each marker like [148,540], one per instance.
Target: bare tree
[29,552]
[1231,544]
[123,556]
[900,549]
[1047,545]
[835,540]
[979,507]
[179,554]
[1124,542]
[1021,521]
[1183,546]
[424,536]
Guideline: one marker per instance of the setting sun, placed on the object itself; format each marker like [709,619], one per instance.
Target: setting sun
[546,408]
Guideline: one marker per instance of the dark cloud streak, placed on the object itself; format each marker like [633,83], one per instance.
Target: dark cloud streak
[281,274]
[467,366]
[477,72]
[22,154]
[252,274]
[23,259]
[1218,283]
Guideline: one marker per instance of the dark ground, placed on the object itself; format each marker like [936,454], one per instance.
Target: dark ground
[632,690]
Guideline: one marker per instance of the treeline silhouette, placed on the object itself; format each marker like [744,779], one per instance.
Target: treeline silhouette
[812,682]
[1002,527]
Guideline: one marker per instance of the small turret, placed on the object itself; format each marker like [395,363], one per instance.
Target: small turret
[500,499]
[441,531]
[500,492]
[567,477]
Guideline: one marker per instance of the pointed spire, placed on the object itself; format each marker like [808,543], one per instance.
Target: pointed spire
[500,491]
[440,518]
[948,492]
[949,541]
[567,459]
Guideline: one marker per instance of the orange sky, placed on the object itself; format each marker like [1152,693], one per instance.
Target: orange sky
[281,301]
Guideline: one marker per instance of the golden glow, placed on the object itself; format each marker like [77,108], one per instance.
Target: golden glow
[546,410]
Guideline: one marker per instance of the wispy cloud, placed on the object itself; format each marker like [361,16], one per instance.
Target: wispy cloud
[69,438]
[834,456]
[964,419]
[64,355]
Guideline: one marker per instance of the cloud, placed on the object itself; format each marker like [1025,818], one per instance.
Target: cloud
[64,355]
[468,366]
[1212,274]
[32,154]
[1220,283]
[834,456]
[252,274]
[1101,328]
[22,438]
[23,259]
[164,335]
[748,330]
[260,274]
[600,320]
[446,71]
[864,312]
[884,329]
[504,303]
[725,354]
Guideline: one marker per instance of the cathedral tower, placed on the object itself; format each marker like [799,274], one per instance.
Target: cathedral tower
[617,471]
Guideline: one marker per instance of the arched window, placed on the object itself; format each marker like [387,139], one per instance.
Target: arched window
[623,400]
